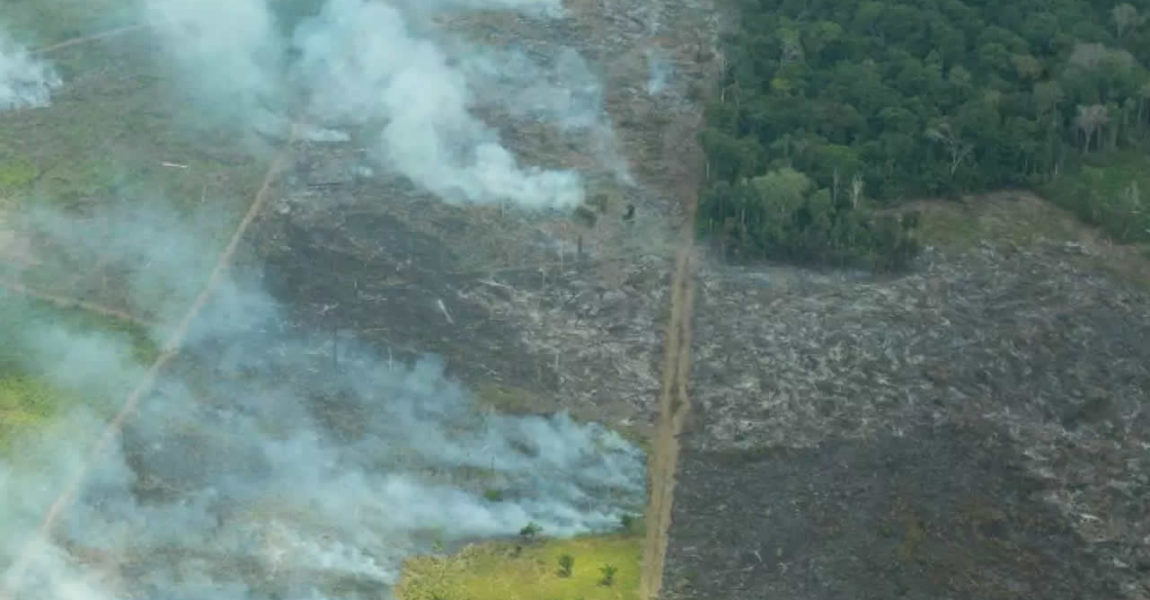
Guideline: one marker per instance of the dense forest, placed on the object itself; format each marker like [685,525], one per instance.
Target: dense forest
[830,110]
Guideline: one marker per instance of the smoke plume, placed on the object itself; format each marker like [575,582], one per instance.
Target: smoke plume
[261,467]
[25,82]
[363,65]
[660,72]
[228,56]
[361,62]
[269,461]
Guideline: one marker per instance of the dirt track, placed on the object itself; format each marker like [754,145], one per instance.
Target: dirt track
[169,352]
[668,166]
[17,288]
[674,404]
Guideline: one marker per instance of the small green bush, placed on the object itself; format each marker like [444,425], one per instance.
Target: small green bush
[16,173]
[627,521]
[608,572]
[530,531]
[566,565]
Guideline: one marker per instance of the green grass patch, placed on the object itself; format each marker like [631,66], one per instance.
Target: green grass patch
[1017,218]
[72,184]
[532,571]
[1111,192]
[28,401]
[512,400]
[23,401]
[25,405]
[117,131]
[16,173]
[109,130]
[950,225]
[111,140]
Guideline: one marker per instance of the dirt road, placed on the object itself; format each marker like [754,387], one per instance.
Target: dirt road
[168,352]
[674,404]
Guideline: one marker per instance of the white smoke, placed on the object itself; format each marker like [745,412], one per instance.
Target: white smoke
[228,54]
[25,82]
[564,92]
[144,240]
[545,8]
[360,63]
[660,72]
[558,88]
[240,485]
[259,469]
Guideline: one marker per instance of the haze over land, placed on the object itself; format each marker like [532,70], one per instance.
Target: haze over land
[901,353]
[265,462]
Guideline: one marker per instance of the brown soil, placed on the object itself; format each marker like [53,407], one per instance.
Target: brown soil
[674,405]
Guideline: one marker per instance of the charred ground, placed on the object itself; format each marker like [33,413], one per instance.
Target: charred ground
[536,312]
[974,429]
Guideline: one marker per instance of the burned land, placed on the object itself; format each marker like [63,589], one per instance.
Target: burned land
[975,427]
[541,312]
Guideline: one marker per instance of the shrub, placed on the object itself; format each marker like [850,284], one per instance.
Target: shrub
[585,216]
[566,565]
[608,577]
[530,531]
[627,521]
[632,524]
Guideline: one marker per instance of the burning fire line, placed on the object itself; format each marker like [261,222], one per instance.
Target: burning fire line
[171,349]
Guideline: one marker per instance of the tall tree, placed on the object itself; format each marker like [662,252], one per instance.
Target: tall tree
[957,148]
[1090,121]
[1126,18]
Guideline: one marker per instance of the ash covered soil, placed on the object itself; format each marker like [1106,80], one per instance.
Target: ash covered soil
[535,312]
[975,429]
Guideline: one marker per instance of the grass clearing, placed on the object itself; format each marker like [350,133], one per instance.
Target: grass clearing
[111,134]
[498,571]
[27,405]
[1021,219]
[1018,218]
[28,400]
[120,114]
[1111,192]
[16,173]
[24,402]
[117,130]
